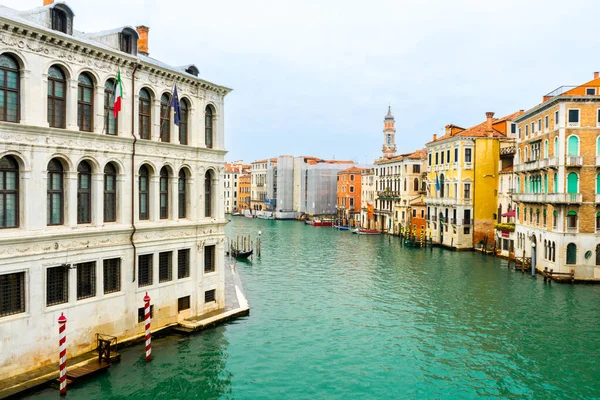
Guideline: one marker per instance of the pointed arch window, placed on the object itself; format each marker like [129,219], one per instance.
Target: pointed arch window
[110,122]
[164,193]
[165,119]
[57,97]
[55,193]
[85,103]
[145,114]
[183,121]
[9,192]
[110,193]
[144,193]
[182,195]
[84,193]
[208,127]
[9,89]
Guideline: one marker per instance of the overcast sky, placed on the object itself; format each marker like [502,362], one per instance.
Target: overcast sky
[315,77]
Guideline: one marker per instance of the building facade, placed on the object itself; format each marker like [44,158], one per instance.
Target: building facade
[367,198]
[97,211]
[244,192]
[349,189]
[258,188]
[409,211]
[231,176]
[557,191]
[387,179]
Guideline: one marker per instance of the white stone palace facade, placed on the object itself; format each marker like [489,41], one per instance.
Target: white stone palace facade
[97,211]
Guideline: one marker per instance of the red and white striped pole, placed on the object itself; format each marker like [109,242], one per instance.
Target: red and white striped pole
[148,332]
[62,343]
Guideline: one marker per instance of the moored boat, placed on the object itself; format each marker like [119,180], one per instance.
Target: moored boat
[341,227]
[368,232]
[241,254]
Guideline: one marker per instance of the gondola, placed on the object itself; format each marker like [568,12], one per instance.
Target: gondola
[241,254]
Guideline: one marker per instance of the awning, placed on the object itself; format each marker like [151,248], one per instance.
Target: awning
[510,213]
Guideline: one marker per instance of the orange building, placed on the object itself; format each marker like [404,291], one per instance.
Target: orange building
[244,192]
[349,188]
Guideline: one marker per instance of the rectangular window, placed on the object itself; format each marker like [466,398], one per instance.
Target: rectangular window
[513,128]
[447,156]
[555,118]
[436,158]
[351,177]
[12,294]
[526,130]
[532,128]
[598,117]
[165,263]
[86,280]
[183,303]
[126,43]
[546,122]
[209,296]
[141,312]
[145,270]
[429,159]
[351,189]
[456,155]
[519,133]
[112,275]
[57,285]
[467,155]
[467,194]
[442,157]
[573,117]
[209,259]
[416,169]
[183,263]
[539,124]
[590,91]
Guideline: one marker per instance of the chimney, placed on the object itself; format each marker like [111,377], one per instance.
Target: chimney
[46,2]
[434,137]
[448,129]
[596,75]
[488,123]
[143,40]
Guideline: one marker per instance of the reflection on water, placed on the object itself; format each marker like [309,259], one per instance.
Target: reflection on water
[336,316]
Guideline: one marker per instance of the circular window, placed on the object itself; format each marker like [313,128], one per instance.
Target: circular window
[588,254]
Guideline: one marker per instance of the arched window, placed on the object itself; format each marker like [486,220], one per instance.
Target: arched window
[144,189]
[110,122]
[57,96]
[598,146]
[597,183]
[555,182]
[556,146]
[165,119]
[145,114]
[571,254]
[9,192]
[84,193]
[442,185]
[598,254]
[183,121]
[572,182]
[405,184]
[208,209]
[526,158]
[208,127]
[598,222]
[110,193]
[164,193]
[182,195]
[545,183]
[85,103]
[9,89]
[416,184]
[573,146]
[55,193]
[546,148]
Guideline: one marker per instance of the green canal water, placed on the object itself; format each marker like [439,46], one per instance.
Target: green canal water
[340,316]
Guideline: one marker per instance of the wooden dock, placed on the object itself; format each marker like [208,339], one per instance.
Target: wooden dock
[75,374]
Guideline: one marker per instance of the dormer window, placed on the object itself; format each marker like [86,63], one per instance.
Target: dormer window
[126,43]
[62,19]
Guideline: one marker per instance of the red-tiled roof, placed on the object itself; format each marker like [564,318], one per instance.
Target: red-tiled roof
[480,130]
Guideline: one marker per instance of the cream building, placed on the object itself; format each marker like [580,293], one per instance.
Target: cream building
[98,211]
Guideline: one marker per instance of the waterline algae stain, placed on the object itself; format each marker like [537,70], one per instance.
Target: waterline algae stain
[339,316]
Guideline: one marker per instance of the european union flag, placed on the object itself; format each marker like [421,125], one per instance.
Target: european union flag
[175,105]
[437,183]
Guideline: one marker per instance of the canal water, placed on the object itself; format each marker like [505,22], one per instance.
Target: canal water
[340,316]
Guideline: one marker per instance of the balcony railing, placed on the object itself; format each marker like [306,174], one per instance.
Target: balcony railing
[467,221]
[532,165]
[564,198]
[572,229]
[574,161]
[388,194]
[598,199]
[553,162]
[468,165]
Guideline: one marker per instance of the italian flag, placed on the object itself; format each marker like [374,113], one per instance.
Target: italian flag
[118,94]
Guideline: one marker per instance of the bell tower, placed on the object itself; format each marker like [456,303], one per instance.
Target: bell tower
[389,135]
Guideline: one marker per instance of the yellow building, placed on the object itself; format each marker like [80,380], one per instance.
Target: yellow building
[462,175]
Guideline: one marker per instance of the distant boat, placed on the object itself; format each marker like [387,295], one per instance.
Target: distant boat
[266,216]
[237,214]
[241,254]
[368,232]
[340,227]
[322,222]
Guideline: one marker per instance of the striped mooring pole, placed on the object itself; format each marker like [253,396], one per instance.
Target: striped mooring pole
[148,333]
[62,364]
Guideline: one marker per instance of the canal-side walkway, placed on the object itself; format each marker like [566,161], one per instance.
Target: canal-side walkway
[236,305]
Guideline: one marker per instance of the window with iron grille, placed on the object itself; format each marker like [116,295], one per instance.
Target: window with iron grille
[183,303]
[145,270]
[141,315]
[209,258]
[57,285]
[86,280]
[112,275]
[183,263]
[165,270]
[209,296]
[12,294]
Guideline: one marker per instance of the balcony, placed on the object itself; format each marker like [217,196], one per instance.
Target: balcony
[532,165]
[598,199]
[564,198]
[574,161]
[467,222]
[572,229]
[530,197]
[468,165]
[553,162]
[388,194]
[597,161]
